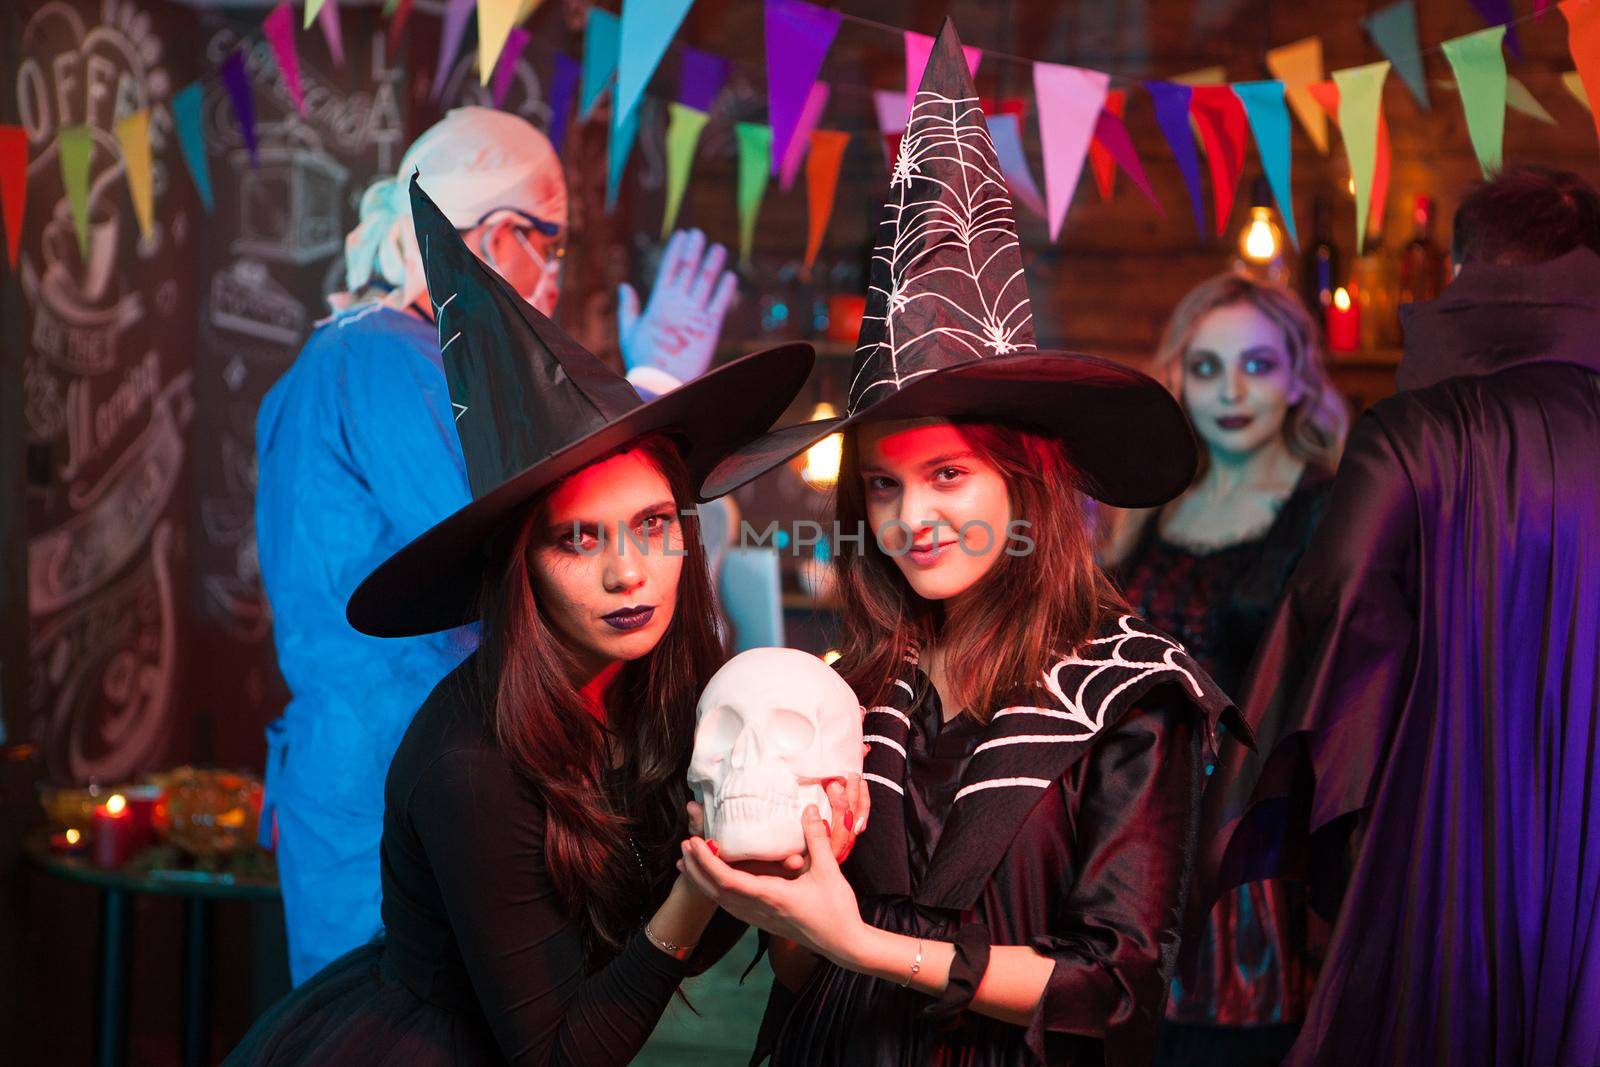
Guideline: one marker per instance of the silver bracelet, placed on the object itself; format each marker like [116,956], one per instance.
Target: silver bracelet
[916,966]
[667,946]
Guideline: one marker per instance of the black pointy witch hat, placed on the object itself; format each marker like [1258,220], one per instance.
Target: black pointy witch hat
[948,328]
[531,407]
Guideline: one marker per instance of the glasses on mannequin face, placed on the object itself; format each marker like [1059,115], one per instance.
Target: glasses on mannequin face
[541,241]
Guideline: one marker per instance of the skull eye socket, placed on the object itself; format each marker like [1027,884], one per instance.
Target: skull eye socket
[719,729]
[791,731]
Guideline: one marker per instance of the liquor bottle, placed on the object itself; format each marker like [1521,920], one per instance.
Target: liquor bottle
[1321,267]
[1422,266]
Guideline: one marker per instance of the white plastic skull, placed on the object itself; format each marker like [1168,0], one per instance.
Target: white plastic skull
[773,724]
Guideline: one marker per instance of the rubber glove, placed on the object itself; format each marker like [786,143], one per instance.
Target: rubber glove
[678,330]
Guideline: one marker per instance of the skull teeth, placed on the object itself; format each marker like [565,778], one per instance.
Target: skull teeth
[759,806]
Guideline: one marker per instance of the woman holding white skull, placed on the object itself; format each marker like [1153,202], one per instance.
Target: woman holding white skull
[1036,753]
[536,802]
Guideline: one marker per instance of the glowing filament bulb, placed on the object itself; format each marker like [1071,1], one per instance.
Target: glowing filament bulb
[821,470]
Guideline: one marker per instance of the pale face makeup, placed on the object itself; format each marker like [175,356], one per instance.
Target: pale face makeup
[611,598]
[940,510]
[1238,381]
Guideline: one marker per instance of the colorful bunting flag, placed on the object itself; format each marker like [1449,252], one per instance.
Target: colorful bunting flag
[701,76]
[133,137]
[450,33]
[1394,30]
[244,108]
[684,126]
[810,116]
[648,27]
[1110,132]
[1268,112]
[1520,99]
[397,24]
[75,146]
[187,106]
[918,47]
[822,182]
[328,19]
[755,149]
[1070,98]
[1327,95]
[1480,69]
[1006,133]
[798,38]
[1360,108]
[278,27]
[496,18]
[1583,40]
[1172,115]
[1101,161]
[601,36]
[13,186]
[563,83]
[624,131]
[1297,65]
[1498,12]
[505,68]
[892,111]
[1223,131]
[313,8]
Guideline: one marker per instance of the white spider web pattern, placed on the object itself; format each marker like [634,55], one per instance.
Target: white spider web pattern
[947,225]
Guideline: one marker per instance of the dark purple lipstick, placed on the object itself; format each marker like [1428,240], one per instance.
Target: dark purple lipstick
[630,618]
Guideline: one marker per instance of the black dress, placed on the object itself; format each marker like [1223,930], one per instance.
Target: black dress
[481,961]
[1065,822]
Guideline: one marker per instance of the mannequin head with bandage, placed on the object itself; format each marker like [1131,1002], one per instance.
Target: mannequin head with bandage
[499,182]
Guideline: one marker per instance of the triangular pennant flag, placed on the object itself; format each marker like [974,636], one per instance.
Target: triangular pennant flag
[1480,69]
[1223,131]
[822,182]
[450,34]
[918,47]
[1268,111]
[1110,132]
[313,8]
[684,126]
[1296,65]
[798,37]
[495,21]
[1583,40]
[397,24]
[75,146]
[800,143]
[505,69]
[1070,99]
[755,149]
[1326,94]
[328,19]
[526,8]
[601,36]
[1518,98]
[1006,133]
[1101,161]
[624,131]
[892,109]
[278,27]
[1394,30]
[187,104]
[701,76]
[1499,13]
[1360,108]
[563,83]
[648,27]
[133,137]
[244,107]
[1172,115]
[13,186]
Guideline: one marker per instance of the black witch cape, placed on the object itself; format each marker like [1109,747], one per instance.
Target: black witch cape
[1432,679]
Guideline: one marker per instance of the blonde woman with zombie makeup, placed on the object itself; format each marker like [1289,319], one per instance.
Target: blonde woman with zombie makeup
[1037,750]
[535,806]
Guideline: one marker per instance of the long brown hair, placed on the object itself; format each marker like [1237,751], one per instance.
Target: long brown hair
[540,719]
[1027,607]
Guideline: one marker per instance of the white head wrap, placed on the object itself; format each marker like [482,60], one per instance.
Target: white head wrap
[473,161]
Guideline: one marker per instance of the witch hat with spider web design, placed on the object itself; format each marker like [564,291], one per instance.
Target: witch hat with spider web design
[948,327]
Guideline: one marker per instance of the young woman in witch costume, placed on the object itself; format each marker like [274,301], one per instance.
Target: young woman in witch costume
[1036,752]
[535,806]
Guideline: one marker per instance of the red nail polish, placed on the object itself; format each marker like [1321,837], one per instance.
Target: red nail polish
[712,845]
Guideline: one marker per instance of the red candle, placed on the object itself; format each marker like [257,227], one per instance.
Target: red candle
[113,832]
[142,801]
[1344,322]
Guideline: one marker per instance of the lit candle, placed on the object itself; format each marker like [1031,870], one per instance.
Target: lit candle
[1344,322]
[70,842]
[113,832]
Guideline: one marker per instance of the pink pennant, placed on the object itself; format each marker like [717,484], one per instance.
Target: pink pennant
[800,143]
[1224,130]
[892,111]
[1101,159]
[278,27]
[505,68]
[328,20]
[1111,135]
[918,47]
[1069,98]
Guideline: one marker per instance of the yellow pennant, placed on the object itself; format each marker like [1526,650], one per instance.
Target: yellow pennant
[133,134]
[1296,66]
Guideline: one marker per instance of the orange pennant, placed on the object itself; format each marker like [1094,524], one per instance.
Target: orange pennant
[822,181]
[1583,39]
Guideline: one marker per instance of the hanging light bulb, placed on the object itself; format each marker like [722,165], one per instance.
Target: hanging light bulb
[1260,242]
[821,469]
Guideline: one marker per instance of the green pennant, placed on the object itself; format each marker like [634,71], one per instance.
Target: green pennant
[755,159]
[683,134]
[75,144]
[1360,103]
[1480,69]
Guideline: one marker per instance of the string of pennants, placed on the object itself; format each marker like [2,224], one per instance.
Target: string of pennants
[1204,119]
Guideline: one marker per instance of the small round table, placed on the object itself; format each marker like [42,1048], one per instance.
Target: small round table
[115,941]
